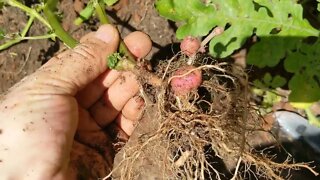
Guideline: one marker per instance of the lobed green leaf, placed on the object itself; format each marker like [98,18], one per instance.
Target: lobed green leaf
[198,19]
[243,18]
[270,82]
[305,64]
[279,26]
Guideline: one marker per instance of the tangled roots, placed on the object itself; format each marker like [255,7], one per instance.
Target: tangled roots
[187,137]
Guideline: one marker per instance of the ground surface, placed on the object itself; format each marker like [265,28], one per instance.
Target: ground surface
[27,56]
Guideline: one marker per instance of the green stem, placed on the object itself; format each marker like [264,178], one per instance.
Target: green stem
[27,27]
[128,63]
[123,49]
[312,118]
[28,10]
[100,10]
[9,44]
[125,64]
[19,38]
[56,26]
[85,14]
[46,36]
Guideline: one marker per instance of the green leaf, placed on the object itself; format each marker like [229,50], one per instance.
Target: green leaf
[198,19]
[1,4]
[278,81]
[270,98]
[257,83]
[290,29]
[110,2]
[304,89]
[270,50]
[305,64]
[269,81]
[267,78]
[113,60]
[279,26]
[318,7]
[243,19]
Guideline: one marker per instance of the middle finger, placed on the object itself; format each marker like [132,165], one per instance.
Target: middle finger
[114,99]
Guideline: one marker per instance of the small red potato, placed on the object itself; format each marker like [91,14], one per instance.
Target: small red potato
[187,83]
[190,46]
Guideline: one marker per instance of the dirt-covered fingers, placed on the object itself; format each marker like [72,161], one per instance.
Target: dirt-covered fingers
[87,123]
[114,99]
[133,109]
[71,71]
[89,95]
[138,43]
[130,115]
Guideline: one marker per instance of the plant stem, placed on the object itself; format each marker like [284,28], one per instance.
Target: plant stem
[312,118]
[22,35]
[123,49]
[28,10]
[85,14]
[101,13]
[9,44]
[128,63]
[125,64]
[56,26]
[46,36]
[27,27]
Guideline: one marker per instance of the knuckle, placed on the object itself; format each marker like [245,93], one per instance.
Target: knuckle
[87,51]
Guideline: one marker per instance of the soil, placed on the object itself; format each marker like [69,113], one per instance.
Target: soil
[26,57]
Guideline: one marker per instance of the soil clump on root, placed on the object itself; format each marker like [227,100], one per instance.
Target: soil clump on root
[185,137]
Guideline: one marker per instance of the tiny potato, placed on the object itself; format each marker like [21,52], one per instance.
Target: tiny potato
[190,46]
[187,83]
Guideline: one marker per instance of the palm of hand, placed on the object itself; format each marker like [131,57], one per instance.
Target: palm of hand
[73,95]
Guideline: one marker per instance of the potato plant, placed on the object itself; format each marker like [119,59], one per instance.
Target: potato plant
[282,34]
[197,102]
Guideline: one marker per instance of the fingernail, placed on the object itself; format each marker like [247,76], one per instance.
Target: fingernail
[106,33]
[139,102]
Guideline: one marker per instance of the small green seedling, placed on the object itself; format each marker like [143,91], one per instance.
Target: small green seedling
[113,60]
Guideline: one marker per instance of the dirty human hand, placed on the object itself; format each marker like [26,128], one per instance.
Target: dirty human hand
[52,123]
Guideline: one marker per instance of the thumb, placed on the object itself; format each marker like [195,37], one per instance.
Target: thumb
[72,70]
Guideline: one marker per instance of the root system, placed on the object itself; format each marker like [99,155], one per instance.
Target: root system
[204,135]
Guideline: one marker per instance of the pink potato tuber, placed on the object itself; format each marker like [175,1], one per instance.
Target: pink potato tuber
[190,46]
[187,82]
